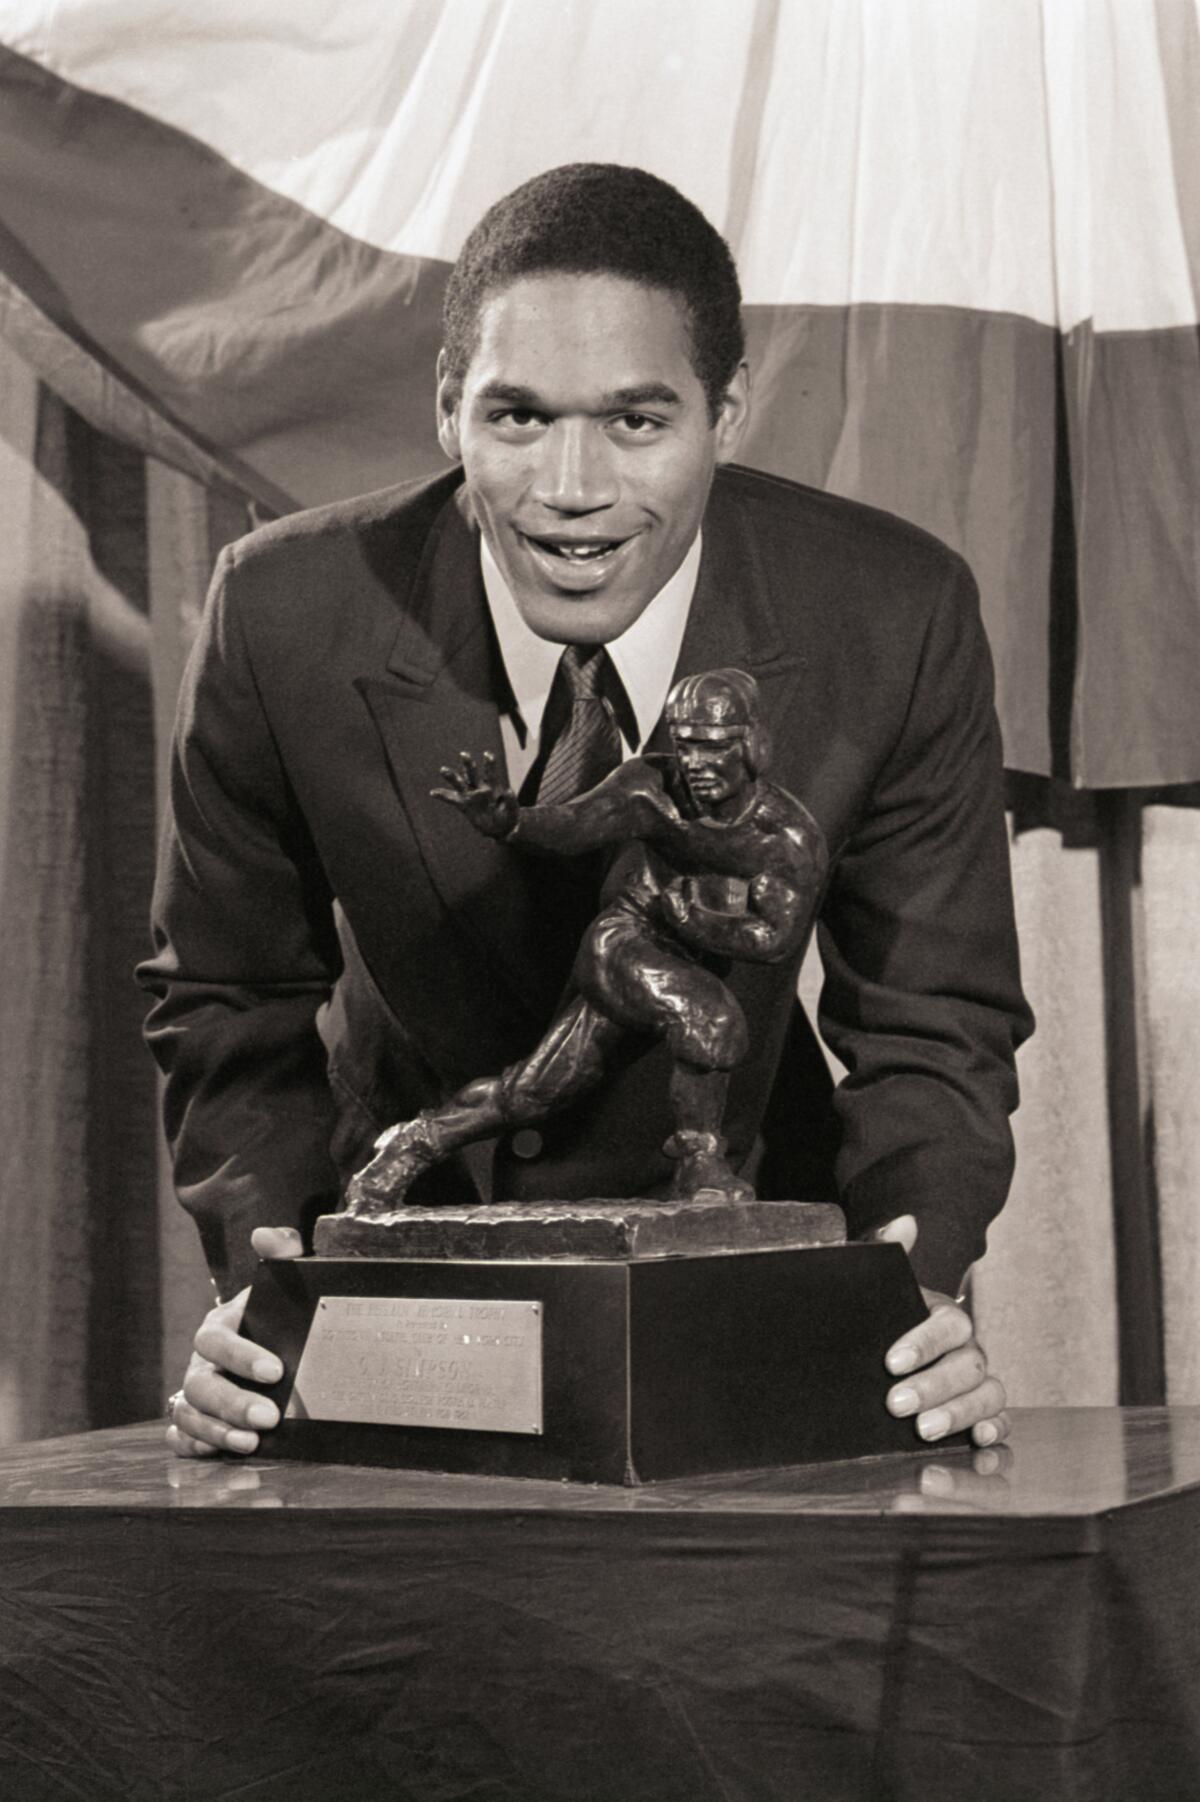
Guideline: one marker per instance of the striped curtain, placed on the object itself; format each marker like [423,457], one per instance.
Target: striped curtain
[969,236]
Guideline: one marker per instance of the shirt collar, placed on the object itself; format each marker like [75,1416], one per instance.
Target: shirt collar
[644,655]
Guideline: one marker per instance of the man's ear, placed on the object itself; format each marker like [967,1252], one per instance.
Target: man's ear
[734,415]
[448,397]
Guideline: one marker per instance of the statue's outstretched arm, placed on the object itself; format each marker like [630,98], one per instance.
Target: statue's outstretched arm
[604,815]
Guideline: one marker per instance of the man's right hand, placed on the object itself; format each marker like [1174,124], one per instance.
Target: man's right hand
[212,1413]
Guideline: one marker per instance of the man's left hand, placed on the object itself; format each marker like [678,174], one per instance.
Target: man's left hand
[945,1381]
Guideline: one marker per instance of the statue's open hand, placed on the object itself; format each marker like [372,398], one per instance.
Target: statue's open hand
[488,803]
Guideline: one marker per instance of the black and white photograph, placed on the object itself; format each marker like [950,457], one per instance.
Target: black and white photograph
[600,901]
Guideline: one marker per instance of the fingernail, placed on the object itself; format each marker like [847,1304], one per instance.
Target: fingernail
[902,1359]
[903,1401]
[934,1424]
[985,1433]
[262,1414]
[267,1370]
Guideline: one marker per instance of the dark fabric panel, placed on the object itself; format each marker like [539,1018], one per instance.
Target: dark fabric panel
[1065,469]
[946,417]
[77,1099]
[1134,419]
[304,354]
[535,1657]
[84,376]
[1136,1229]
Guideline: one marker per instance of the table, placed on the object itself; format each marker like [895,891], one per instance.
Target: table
[1009,1625]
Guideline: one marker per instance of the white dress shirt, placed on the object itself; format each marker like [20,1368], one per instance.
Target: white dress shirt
[644,657]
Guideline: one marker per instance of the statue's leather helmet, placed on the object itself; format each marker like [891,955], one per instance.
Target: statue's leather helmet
[721,703]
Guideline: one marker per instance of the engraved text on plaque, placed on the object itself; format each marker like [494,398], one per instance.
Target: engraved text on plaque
[404,1361]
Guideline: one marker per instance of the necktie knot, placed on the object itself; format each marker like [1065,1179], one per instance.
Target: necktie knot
[582,667]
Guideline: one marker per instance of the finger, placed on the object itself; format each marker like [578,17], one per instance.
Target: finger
[207,1395]
[184,1446]
[269,1242]
[209,1429]
[446,794]
[489,768]
[957,1373]
[901,1231]
[277,1242]
[469,770]
[962,1411]
[225,1314]
[455,778]
[947,1327]
[993,1431]
[221,1344]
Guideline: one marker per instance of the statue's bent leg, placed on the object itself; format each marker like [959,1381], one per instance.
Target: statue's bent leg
[708,1041]
[568,1060]
[646,984]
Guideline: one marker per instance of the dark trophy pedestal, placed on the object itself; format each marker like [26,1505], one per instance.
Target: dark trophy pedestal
[607,1342]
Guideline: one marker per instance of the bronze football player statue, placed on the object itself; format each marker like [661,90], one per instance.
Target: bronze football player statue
[715,864]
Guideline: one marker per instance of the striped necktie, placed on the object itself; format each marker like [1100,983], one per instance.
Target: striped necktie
[581,741]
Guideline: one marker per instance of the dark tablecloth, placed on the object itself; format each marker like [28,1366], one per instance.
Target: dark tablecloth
[1022,1627]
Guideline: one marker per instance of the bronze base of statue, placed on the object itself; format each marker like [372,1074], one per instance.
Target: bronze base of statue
[603,1355]
[582,1230]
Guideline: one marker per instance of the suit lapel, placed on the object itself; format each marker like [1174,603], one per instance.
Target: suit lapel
[732,623]
[439,698]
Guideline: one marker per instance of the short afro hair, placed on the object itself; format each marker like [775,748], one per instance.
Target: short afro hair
[603,219]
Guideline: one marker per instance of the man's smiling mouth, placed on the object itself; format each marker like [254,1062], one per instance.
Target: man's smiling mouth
[574,550]
[576,565]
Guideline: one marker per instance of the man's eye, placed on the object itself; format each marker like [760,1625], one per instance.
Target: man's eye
[638,425]
[521,418]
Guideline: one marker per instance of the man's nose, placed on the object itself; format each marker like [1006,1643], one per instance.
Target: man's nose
[575,472]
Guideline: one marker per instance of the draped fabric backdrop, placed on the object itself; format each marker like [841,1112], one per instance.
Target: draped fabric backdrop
[970,244]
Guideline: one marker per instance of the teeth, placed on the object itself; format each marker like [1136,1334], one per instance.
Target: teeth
[581,553]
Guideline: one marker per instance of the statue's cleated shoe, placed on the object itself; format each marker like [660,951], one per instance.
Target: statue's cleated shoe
[702,1171]
[401,1154]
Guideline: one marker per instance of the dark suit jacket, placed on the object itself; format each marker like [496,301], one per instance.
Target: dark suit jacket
[335,949]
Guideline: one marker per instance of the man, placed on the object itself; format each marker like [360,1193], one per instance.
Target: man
[714,865]
[333,953]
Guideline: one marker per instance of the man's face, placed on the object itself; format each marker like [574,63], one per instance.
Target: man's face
[588,449]
[714,767]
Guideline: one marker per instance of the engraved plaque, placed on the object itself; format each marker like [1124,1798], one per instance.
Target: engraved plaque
[400,1360]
